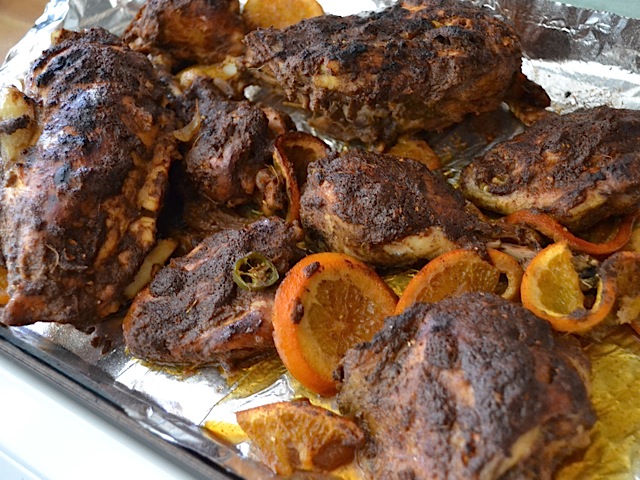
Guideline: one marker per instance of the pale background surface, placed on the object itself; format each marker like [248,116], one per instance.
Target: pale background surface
[16,17]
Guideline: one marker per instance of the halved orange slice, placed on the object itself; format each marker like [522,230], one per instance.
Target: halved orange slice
[551,290]
[297,435]
[460,271]
[327,303]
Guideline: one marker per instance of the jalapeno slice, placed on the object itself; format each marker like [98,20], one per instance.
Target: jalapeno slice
[255,272]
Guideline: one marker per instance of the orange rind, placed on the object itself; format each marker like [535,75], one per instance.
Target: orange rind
[551,228]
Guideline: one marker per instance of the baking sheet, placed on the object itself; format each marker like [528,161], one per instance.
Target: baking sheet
[581,57]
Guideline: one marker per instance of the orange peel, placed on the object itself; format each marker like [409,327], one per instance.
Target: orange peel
[551,228]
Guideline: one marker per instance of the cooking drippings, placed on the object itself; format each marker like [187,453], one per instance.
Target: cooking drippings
[615,382]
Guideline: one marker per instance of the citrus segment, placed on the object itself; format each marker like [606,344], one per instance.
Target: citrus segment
[279,13]
[327,303]
[460,271]
[300,436]
[551,290]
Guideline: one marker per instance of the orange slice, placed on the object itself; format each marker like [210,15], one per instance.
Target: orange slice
[292,153]
[460,271]
[300,436]
[551,290]
[279,13]
[327,303]
[416,149]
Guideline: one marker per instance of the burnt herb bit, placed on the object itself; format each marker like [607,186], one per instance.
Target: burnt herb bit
[255,272]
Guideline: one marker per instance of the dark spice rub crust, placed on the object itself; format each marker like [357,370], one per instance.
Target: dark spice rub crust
[79,205]
[385,210]
[580,168]
[193,313]
[473,387]
[415,65]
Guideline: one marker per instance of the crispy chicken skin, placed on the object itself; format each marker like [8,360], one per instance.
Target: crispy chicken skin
[473,387]
[79,205]
[193,313]
[187,32]
[580,168]
[386,210]
[421,64]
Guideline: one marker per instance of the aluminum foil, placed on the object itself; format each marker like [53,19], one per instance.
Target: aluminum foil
[581,57]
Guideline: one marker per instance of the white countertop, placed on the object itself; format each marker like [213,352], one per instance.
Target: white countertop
[45,434]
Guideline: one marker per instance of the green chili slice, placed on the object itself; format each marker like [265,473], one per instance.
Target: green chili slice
[255,272]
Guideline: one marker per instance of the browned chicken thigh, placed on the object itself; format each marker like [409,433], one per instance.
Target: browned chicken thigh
[187,32]
[473,387]
[228,163]
[419,64]
[194,313]
[231,145]
[80,200]
[387,210]
[580,168]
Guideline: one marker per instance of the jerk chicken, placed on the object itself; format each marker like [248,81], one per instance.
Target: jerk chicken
[418,64]
[187,32]
[232,144]
[579,168]
[80,200]
[387,210]
[227,162]
[474,387]
[194,313]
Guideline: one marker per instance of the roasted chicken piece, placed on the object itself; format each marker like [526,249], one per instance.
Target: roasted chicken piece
[187,32]
[473,387]
[579,168]
[418,64]
[230,145]
[228,162]
[80,200]
[387,210]
[194,313]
